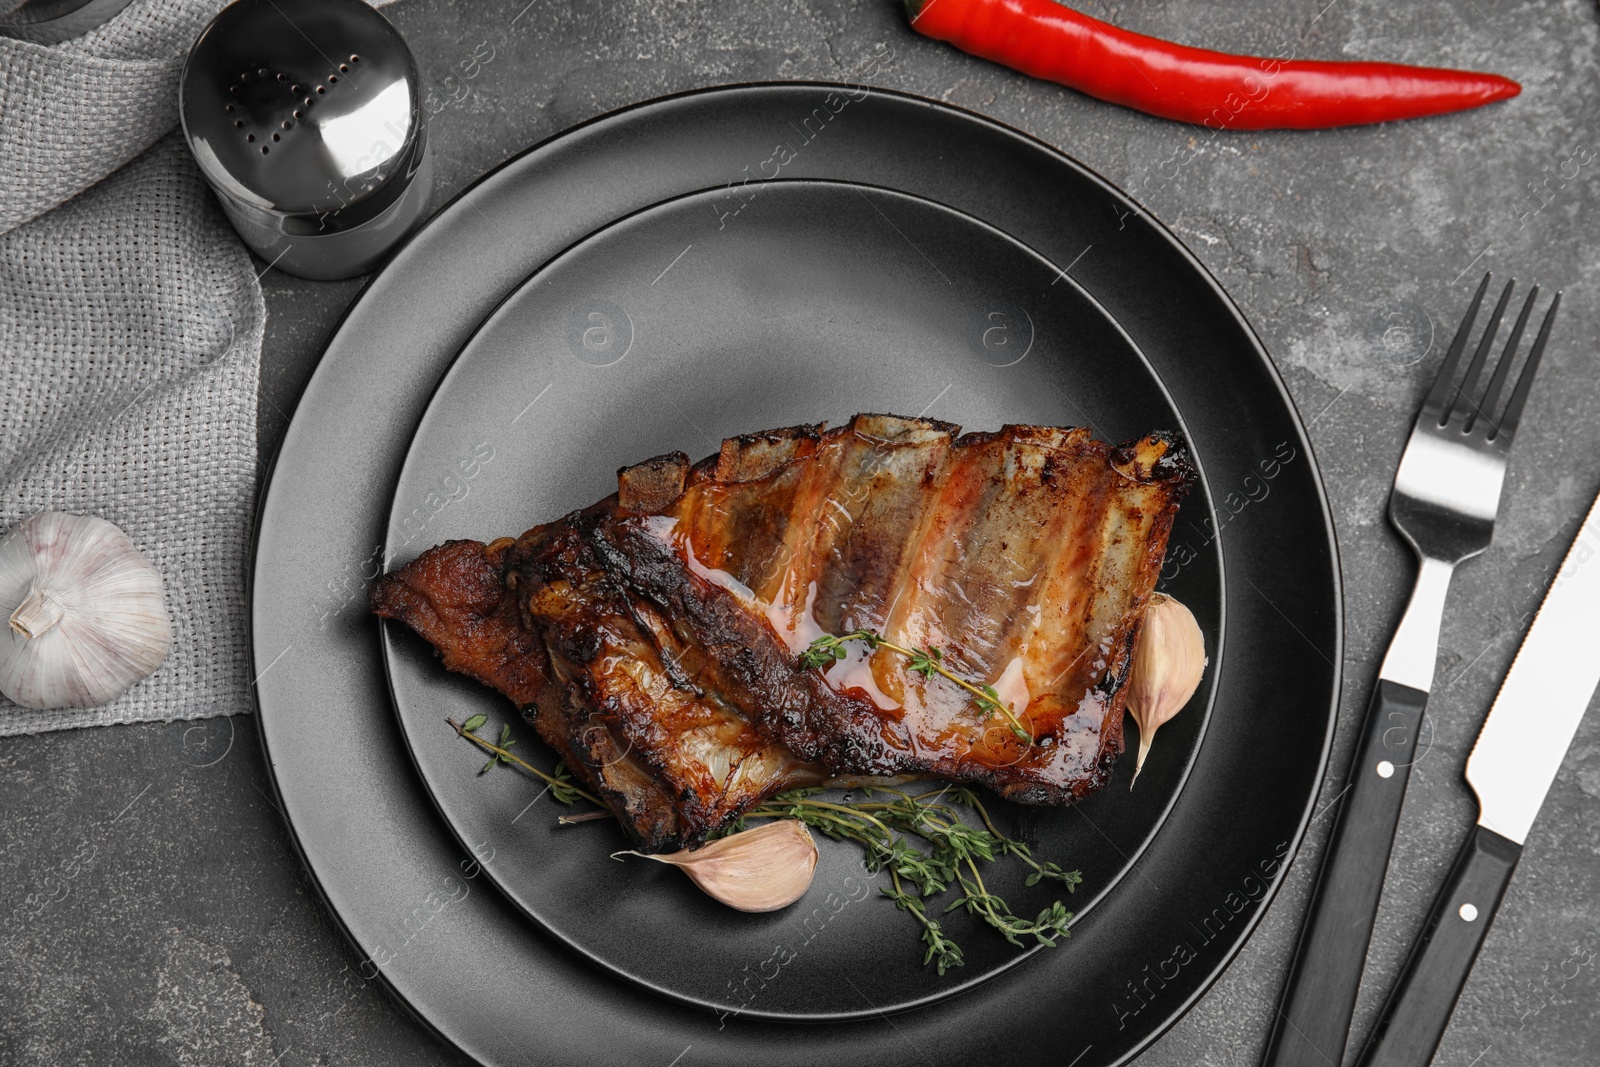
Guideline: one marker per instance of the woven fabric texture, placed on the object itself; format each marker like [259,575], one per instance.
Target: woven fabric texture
[131,322]
[73,113]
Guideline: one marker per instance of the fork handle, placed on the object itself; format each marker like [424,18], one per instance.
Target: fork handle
[1313,1019]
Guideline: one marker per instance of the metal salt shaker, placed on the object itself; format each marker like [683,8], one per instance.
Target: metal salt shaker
[306,119]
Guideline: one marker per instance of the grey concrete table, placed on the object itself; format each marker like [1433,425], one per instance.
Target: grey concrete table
[179,926]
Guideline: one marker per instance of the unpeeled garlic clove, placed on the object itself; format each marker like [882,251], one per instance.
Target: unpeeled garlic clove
[1169,659]
[764,868]
[87,618]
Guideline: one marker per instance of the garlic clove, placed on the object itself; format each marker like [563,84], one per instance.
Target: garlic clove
[86,614]
[764,868]
[1169,659]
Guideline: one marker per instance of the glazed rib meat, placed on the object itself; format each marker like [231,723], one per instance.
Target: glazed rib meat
[655,638]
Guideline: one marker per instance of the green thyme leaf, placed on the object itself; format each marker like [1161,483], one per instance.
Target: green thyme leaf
[829,649]
[562,787]
[926,843]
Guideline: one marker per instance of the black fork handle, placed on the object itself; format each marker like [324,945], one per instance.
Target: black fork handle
[1312,1024]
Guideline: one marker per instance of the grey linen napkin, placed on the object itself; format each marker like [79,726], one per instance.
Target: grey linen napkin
[130,340]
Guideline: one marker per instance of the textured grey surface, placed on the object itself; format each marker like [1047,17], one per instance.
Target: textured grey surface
[153,909]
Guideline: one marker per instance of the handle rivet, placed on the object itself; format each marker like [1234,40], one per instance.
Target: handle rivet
[1385,769]
[1468,912]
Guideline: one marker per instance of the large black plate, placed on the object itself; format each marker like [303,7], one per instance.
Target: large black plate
[667,330]
[463,958]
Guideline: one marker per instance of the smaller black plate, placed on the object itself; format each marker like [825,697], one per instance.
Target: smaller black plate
[668,330]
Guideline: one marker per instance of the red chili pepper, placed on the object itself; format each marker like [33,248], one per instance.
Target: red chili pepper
[1174,81]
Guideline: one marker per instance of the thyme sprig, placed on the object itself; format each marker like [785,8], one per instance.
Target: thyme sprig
[562,788]
[885,828]
[829,649]
[940,950]
[886,824]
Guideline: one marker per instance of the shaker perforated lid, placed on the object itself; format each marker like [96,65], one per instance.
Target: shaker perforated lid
[303,108]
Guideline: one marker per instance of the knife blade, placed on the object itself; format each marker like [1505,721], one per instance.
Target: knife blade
[1519,750]
[1543,697]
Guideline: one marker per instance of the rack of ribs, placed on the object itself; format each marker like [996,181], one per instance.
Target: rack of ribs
[654,640]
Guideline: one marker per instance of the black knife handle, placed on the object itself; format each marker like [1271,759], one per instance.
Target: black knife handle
[1414,1019]
[1313,1019]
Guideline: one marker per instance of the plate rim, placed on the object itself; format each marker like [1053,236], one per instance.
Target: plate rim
[269,476]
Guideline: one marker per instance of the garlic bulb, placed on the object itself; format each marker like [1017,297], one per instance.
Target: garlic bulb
[761,869]
[1169,658]
[87,618]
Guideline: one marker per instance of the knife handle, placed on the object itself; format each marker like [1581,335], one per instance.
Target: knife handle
[1313,1019]
[1418,1010]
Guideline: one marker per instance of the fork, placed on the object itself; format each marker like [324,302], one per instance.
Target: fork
[1445,499]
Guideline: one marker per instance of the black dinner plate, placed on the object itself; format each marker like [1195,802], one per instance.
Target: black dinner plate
[463,958]
[671,329]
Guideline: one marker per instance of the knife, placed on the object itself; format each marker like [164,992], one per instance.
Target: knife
[1519,750]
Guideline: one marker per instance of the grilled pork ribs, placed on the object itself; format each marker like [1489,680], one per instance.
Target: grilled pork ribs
[654,639]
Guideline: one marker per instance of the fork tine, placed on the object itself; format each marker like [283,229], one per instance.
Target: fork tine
[1519,395]
[1439,395]
[1491,399]
[1469,384]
